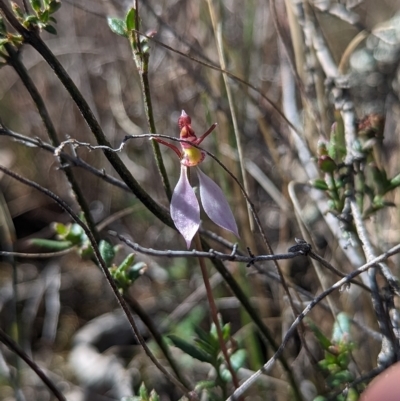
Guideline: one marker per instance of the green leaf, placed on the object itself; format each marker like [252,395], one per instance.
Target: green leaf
[135,271]
[326,164]
[107,252]
[393,183]
[17,10]
[117,26]
[206,347]
[154,396]
[238,359]
[127,262]
[378,202]
[225,374]
[320,183]
[341,328]
[76,234]
[323,364]
[144,395]
[352,395]
[31,20]
[60,229]
[380,179]
[322,339]
[36,5]
[190,349]
[130,19]
[343,360]
[3,29]
[44,16]
[337,144]
[16,40]
[339,378]
[205,384]
[51,244]
[86,251]
[226,332]
[205,340]
[54,6]
[213,338]
[50,29]
[203,335]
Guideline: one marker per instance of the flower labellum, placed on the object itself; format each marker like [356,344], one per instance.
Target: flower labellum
[185,209]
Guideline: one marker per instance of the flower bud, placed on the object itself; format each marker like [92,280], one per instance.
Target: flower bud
[326,164]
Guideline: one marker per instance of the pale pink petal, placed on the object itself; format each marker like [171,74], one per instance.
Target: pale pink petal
[185,209]
[215,204]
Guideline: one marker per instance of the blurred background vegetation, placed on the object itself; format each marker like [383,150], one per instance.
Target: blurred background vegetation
[66,314]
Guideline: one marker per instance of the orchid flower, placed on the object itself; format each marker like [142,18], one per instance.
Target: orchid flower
[185,209]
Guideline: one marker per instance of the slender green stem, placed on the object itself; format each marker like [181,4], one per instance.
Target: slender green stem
[141,58]
[20,69]
[144,80]
[334,192]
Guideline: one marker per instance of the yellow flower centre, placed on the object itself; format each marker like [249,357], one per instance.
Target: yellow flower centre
[192,156]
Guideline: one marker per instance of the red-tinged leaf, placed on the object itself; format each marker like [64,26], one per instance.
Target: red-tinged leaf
[185,209]
[215,204]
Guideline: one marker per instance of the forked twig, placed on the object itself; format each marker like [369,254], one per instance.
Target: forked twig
[106,272]
[248,383]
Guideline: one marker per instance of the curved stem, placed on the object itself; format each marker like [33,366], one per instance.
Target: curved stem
[106,272]
[144,80]
[292,329]
[14,347]
[37,43]
[20,69]
[141,58]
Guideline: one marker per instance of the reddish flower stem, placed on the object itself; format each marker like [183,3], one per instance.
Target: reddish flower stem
[214,312]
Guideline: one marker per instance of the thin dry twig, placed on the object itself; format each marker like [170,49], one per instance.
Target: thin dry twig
[218,38]
[248,383]
[14,347]
[106,272]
